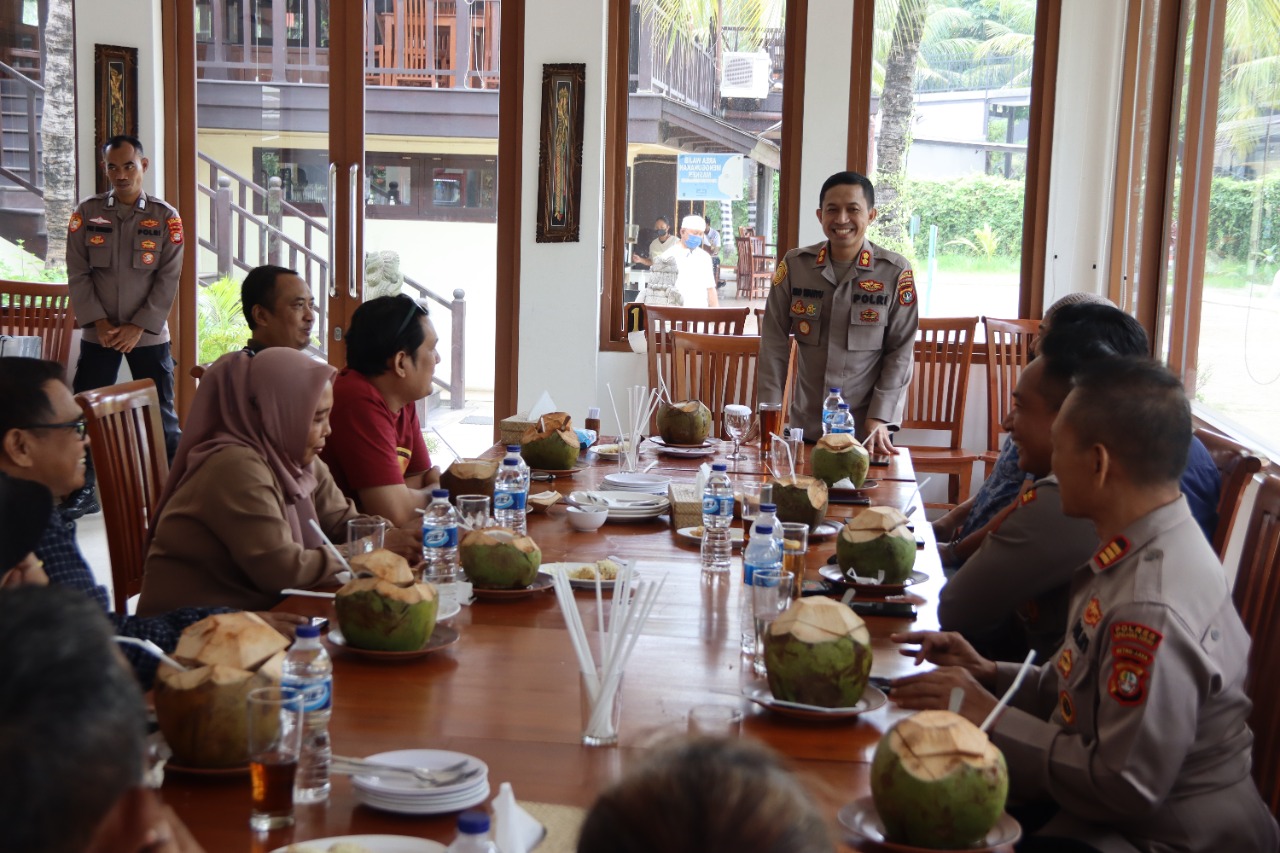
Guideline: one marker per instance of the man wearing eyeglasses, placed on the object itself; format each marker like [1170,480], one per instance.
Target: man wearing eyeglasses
[376,452]
[42,439]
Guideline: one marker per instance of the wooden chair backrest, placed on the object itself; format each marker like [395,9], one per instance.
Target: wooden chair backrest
[940,376]
[662,320]
[1010,347]
[132,466]
[1237,464]
[30,308]
[718,370]
[1257,598]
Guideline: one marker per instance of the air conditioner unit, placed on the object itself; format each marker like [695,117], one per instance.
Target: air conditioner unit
[745,75]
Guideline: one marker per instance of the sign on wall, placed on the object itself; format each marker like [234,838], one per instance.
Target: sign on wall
[712,177]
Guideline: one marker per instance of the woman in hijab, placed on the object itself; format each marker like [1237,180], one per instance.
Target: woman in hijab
[235,522]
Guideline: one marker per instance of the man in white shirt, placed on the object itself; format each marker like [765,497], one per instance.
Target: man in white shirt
[696,282]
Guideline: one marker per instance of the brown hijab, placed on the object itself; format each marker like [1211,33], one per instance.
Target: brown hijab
[264,402]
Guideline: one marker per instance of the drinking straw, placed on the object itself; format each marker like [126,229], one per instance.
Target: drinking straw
[1004,700]
[911,500]
[308,593]
[329,544]
[151,649]
[456,454]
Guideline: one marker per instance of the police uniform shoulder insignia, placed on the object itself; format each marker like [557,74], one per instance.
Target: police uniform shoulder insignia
[1128,683]
[1092,613]
[150,223]
[76,222]
[1137,634]
[871,286]
[1108,555]
[906,288]
[1028,496]
[781,272]
[1067,707]
[864,259]
[174,224]
[869,316]
[1065,662]
[97,240]
[1133,650]
[822,257]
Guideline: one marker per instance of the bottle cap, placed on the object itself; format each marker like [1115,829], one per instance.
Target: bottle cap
[834,390]
[473,822]
[511,462]
[765,528]
[440,493]
[513,448]
[307,632]
[844,407]
[768,507]
[720,466]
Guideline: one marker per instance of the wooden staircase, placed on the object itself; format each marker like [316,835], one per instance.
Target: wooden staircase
[21,172]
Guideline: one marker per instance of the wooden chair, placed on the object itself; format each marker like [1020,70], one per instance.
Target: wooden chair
[936,399]
[755,269]
[28,308]
[130,460]
[1257,598]
[719,370]
[662,320]
[1237,465]
[1010,347]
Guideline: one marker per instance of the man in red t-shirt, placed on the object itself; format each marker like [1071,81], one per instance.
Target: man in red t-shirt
[376,451]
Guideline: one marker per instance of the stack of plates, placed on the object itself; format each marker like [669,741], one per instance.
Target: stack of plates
[654,484]
[623,506]
[401,794]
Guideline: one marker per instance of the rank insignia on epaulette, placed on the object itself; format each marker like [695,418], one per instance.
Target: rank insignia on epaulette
[871,286]
[97,240]
[1128,683]
[148,258]
[1067,707]
[1028,496]
[151,223]
[1092,613]
[1110,553]
[803,327]
[869,316]
[781,272]
[822,257]
[149,245]
[864,259]
[76,222]
[1065,663]
[797,307]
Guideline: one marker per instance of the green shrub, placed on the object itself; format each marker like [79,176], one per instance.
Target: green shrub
[1231,206]
[220,325]
[962,207]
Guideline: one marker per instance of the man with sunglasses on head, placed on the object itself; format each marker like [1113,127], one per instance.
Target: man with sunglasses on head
[376,452]
[43,440]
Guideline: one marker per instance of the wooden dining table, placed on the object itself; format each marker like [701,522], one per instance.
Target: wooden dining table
[508,690]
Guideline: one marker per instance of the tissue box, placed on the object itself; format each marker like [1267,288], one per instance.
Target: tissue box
[686,505]
[510,429]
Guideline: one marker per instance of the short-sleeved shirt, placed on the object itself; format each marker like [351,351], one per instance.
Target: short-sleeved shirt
[371,446]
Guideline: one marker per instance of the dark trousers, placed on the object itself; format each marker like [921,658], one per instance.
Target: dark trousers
[98,367]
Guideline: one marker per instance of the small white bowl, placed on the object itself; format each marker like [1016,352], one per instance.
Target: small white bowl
[587,518]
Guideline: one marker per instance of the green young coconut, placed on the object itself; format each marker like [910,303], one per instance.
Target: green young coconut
[496,558]
[838,456]
[386,617]
[687,422]
[550,444]
[876,542]
[470,477]
[938,782]
[818,653]
[801,499]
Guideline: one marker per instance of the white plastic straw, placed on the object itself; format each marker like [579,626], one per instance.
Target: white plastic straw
[151,649]
[308,593]
[334,548]
[1013,688]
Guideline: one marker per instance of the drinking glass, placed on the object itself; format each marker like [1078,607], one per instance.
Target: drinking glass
[770,423]
[365,535]
[795,547]
[274,716]
[715,721]
[737,420]
[771,594]
[473,511]
[605,732]
[750,496]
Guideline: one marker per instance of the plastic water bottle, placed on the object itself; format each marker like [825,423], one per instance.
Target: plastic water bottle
[842,420]
[829,407]
[473,834]
[764,551]
[307,668]
[717,518]
[513,452]
[440,548]
[508,497]
[768,517]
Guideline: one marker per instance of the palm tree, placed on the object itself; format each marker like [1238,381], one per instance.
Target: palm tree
[57,130]
[700,19]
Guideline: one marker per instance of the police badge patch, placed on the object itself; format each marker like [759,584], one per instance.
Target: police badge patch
[781,272]
[871,286]
[76,223]
[97,240]
[803,327]
[869,316]
[174,224]
[906,294]
[797,307]
[148,258]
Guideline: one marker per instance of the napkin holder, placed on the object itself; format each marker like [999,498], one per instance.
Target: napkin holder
[686,505]
[511,429]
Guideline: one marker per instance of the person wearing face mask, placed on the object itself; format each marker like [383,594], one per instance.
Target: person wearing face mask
[695,280]
[664,241]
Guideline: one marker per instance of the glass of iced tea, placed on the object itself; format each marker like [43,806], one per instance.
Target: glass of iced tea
[275,740]
[770,424]
[795,546]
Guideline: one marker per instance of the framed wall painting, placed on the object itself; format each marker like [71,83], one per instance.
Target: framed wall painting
[115,90]
[560,152]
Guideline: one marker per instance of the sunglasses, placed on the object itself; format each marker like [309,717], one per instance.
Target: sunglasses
[80,425]
[415,311]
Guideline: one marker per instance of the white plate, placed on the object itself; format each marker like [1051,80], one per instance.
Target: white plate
[689,452]
[432,759]
[375,802]
[706,443]
[624,506]
[863,823]
[872,698]
[608,451]
[449,612]
[372,843]
[736,536]
[427,798]
[638,482]
[580,583]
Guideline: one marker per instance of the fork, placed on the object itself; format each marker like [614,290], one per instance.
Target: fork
[434,776]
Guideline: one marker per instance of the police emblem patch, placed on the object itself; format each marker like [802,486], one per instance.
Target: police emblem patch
[1136,633]
[1065,662]
[811,309]
[871,286]
[906,294]
[97,240]
[174,224]
[1028,496]
[75,224]
[1067,707]
[1092,613]
[1128,683]
[148,258]
[804,327]
[781,272]
[869,316]
[99,220]
[151,223]
[149,245]
[864,259]
[797,307]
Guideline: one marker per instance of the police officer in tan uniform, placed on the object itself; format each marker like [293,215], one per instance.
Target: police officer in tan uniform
[1135,733]
[124,258]
[851,306]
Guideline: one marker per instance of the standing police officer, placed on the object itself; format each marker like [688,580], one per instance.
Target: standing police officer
[124,258]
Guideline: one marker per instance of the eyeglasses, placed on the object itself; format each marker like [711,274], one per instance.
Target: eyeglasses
[413,312]
[80,425]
